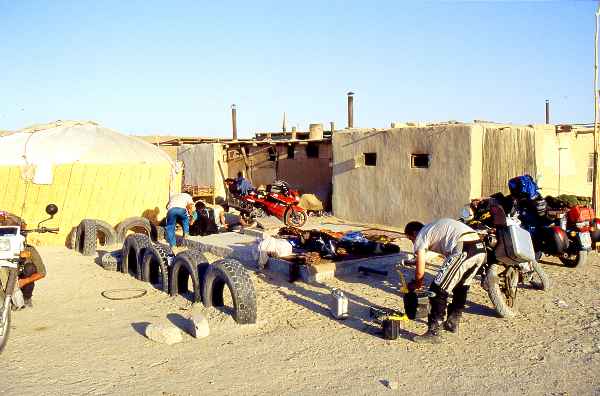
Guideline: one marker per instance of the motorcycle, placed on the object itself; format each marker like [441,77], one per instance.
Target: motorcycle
[510,256]
[278,200]
[582,230]
[14,254]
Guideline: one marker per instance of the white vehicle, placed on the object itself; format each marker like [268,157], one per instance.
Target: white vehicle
[14,252]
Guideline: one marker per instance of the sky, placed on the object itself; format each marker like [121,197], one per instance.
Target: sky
[175,67]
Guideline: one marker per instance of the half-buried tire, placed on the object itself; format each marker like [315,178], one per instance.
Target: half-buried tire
[133,252]
[155,267]
[85,238]
[139,225]
[231,273]
[106,233]
[188,264]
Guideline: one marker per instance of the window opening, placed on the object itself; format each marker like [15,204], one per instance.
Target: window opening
[420,160]
[370,159]
[312,150]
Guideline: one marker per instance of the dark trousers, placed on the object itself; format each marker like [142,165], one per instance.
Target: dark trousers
[28,270]
[438,303]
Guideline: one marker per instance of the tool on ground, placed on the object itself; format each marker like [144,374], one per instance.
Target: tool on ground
[339,304]
[367,270]
[403,284]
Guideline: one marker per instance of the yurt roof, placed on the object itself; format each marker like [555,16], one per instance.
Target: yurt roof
[63,142]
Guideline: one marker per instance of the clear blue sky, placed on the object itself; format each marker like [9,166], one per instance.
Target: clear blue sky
[175,67]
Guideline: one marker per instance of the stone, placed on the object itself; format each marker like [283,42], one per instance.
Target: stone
[163,334]
[561,304]
[109,262]
[199,326]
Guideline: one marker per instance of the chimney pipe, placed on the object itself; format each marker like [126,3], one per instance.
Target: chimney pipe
[284,126]
[234,121]
[332,125]
[350,109]
[547,111]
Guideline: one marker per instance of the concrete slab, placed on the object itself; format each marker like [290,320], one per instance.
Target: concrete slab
[227,244]
[382,263]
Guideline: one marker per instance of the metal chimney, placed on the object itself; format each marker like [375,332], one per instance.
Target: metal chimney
[234,121]
[350,109]
[547,111]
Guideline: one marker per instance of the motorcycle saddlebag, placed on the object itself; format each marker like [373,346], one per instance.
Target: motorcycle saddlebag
[580,214]
[514,245]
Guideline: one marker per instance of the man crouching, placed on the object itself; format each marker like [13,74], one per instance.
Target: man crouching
[464,253]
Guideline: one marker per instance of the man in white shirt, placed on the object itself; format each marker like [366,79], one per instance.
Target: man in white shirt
[464,254]
[180,208]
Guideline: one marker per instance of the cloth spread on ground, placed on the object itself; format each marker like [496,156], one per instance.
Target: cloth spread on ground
[272,247]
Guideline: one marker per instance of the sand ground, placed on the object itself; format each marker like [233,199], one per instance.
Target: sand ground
[74,341]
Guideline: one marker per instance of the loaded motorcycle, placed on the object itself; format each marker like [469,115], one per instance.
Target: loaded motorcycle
[14,254]
[278,200]
[510,255]
[569,237]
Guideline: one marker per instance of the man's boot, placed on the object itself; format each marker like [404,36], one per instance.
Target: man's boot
[452,321]
[432,336]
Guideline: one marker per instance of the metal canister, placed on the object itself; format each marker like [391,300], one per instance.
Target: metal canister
[563,221]
[339,304]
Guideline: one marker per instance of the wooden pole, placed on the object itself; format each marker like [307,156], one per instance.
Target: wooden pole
[595,170]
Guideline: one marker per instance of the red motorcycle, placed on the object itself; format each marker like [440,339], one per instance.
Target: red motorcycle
[277,200]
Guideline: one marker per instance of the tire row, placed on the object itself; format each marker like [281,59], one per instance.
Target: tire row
[91,233]
[154,263]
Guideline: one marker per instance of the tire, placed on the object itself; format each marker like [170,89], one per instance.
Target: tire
[574,260]
[231,273]
[5,330]
[106,233]
[155,267]
[86,237]
[494,280]
[195,264]
[294,218]
[157,233]
[544,280]
[132,253]
[138,224]
[72,239]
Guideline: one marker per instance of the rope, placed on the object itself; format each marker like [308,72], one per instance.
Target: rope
[107,294]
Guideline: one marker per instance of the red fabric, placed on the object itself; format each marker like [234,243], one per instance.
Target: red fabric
[579,214]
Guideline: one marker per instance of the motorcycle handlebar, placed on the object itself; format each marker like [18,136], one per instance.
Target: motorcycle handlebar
[43,230]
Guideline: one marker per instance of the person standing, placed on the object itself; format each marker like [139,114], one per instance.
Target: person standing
[243,186]
[179,209]
[464,253]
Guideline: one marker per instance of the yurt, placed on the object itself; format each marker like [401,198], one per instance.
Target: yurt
[87,170]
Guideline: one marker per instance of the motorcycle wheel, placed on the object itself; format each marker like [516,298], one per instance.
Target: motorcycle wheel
[293,218]
[576,260]
[4,325]
[543,283]
[258,213]
[502,288]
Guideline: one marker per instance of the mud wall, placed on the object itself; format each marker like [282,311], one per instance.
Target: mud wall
[393,191]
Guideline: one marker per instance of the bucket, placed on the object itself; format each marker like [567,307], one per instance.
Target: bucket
[416,303]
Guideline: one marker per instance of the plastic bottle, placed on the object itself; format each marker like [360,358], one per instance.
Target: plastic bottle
[339,304]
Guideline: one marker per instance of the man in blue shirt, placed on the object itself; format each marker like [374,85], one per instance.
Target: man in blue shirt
[242,184]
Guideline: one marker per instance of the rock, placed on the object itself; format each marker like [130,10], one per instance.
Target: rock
[390,384]
[163,334]
[561,304]
[199,326]
[109,262]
